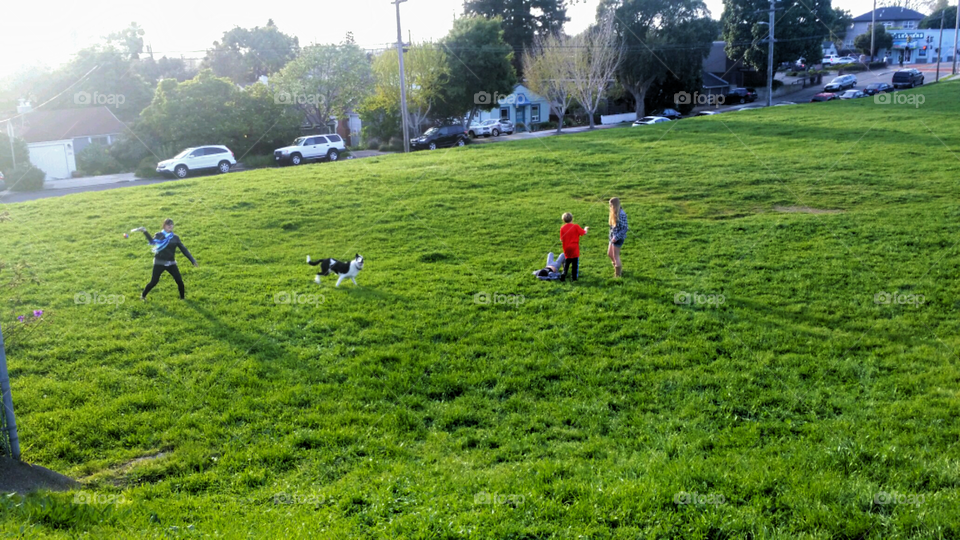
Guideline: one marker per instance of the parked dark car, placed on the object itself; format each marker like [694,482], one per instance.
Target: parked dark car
[877,88]
[824,96]
[907,78]
[740,95]
[438,137]
[672,114]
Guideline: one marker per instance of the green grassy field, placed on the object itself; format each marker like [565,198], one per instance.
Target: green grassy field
[747,378]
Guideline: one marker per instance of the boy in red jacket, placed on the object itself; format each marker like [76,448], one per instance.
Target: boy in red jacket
[570,238]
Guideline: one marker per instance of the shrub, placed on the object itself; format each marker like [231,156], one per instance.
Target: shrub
[372,143]
[259,162]
[147,168]
[95,160]
[776,84]
[877,65]
[546,126]
[25,177]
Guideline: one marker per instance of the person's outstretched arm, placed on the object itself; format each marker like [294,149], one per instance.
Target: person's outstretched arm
[147,234]
[186,253]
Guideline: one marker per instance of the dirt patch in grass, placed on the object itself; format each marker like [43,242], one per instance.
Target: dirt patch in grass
[804,210]
[20,477]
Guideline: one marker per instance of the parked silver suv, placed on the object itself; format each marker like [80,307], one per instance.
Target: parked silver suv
[311,147]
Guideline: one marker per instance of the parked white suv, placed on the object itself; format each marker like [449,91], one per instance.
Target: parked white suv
[311,147]
[198,158]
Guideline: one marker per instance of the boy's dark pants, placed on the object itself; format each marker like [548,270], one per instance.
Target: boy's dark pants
[571,261]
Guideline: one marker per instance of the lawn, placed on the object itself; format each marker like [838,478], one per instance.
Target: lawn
[779,360]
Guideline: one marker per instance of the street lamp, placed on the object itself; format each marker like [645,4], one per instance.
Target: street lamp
[403,83]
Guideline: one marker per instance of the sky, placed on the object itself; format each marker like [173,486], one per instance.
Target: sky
[188,27]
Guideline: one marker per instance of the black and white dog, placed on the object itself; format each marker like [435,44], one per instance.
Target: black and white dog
[342,269]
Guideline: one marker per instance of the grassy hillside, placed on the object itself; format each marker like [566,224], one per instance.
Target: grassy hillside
[799,407]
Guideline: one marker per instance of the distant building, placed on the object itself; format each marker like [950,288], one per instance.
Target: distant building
[54,137]
[522,107]
[888,17]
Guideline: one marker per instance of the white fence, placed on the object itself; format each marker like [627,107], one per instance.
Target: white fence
[617,118]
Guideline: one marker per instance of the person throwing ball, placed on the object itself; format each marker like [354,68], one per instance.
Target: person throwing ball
[165,245]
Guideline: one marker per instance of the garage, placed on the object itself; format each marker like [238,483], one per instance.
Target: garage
[55,158]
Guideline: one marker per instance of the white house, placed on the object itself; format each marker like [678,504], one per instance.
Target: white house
[54,137]
[522,107]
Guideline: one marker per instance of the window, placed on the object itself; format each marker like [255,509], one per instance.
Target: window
[334,138]
[319,140]
[214,151]
[102,141]
[909,24]
[197,153]
[504,113]
[535,113]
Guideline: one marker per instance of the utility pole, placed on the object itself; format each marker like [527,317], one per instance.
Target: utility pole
[873,30]
[956,31]
[10,421]
[403,83]
[940,46]
[13,154]
[770,57]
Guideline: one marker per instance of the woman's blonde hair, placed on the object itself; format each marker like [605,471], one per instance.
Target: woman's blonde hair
[614,211]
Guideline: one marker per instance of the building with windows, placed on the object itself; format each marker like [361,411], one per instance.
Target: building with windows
[522,107]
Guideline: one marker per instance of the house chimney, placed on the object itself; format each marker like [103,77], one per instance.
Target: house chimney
[23,106]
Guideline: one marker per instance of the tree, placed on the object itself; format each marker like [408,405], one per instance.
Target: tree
[596,55]
[882,40]
[325,81]
[665,42]
[548,66]
[208,109]
[522,20]
[244,54]
[801,28]
[98,76]
[164,68]
[480,67]
[948,13]
[129,41]
[427,71]
[20,151]
[906,4]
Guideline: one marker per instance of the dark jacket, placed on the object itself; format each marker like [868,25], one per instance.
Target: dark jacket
[168,253]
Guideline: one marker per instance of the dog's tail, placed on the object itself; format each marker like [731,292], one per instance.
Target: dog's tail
[312,263]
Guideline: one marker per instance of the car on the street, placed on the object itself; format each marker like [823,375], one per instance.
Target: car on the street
[647,120]
[740,95]
[852,94]
[506,127]
[877,88]
[311,148]
[488,128]
[672,114]
[198,158]
[835,60]
[907,78]
[707,113]
[439,137]
[824,96]
[750,108]
[782,103]
[840,83]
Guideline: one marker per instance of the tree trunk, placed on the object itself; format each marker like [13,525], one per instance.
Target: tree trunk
[560,123]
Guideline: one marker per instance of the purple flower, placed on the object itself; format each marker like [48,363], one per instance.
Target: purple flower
[20,318]
[37,312]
